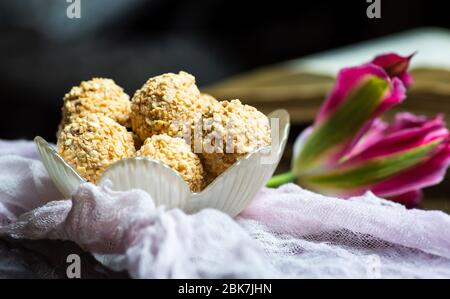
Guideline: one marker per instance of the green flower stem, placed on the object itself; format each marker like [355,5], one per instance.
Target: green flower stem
[280,179]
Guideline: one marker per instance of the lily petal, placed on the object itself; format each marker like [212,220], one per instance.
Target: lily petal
[374,134]
[426,174]
[395,66]
[346,80]
[409,199]
[370,174]
[329,138]
[361,95]
[394,141]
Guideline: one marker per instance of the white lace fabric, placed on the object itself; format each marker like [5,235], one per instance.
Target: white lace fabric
[285,232]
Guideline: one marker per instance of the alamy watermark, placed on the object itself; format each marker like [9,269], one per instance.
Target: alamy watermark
[74,268]
[374,9]
[73,10]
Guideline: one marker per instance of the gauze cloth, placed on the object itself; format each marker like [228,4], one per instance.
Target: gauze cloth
[285,233]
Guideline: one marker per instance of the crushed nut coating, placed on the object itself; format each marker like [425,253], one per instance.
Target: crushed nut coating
[177,154]
[231,133]
[164,104]
[209,104]
[92,143]
[98,95]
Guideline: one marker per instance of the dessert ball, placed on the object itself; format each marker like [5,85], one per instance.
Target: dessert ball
[92,143]
[175,153]
[232,133]
[98,95]
[209,104]
[164,105]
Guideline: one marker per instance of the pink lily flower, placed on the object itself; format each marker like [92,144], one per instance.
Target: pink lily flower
[349,150]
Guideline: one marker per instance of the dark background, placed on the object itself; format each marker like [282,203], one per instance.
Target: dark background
[43,53]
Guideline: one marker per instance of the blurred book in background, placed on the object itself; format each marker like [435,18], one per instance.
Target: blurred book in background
[301,85]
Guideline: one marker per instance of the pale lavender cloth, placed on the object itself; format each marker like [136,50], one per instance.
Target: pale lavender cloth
[287,232]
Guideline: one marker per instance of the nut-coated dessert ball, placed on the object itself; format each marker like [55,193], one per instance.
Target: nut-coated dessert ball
[165,104]
[177,154]
[98,95]
[232,133]
[92,143]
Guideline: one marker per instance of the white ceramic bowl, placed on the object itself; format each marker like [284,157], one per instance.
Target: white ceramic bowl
[230,192]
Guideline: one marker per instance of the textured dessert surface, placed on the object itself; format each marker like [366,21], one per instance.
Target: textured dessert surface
[177,154]
[164,104]
[232,132]
[92,143]
[99,95]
